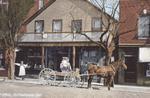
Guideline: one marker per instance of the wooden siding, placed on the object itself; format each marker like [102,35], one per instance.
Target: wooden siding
[59,37]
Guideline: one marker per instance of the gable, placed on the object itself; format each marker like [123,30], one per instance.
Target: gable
[66,10]
[66,5]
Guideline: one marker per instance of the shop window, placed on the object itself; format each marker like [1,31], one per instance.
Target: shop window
[148,70]
[34,57]
[85,54]
[92,54]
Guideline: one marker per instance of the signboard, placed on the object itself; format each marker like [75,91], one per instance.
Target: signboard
[144,54]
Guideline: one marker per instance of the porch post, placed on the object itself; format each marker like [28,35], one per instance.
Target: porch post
[74,57]
[42,60]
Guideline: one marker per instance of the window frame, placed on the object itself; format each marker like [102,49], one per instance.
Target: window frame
[36,26]
[57,20]
[72,23]
[94,29]
[143,37]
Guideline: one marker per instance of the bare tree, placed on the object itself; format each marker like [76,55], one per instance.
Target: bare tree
[11,18]
[109,36]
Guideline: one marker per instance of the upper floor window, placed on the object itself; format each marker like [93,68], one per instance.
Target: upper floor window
[76,26]
[39,26]
[57,25]
[144,27]
[96,24]
[41,3]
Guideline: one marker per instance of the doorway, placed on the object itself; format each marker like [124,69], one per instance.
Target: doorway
[131,72]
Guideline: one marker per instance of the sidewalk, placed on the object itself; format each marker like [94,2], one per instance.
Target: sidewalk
[19,80]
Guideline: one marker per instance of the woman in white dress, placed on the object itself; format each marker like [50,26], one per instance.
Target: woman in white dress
[22,71]
[65,65]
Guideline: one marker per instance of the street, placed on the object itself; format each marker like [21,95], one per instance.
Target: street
[35,90]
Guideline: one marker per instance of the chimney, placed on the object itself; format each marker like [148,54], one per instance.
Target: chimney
[41,3]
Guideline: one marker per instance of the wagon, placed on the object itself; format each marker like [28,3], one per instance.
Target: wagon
[51,77]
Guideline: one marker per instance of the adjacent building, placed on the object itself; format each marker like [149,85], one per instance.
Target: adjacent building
[135,40]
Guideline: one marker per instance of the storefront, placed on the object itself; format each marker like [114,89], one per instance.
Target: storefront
[51,57]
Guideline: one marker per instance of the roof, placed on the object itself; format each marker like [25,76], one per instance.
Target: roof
[33,13]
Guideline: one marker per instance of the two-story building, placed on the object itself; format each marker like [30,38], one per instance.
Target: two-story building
[135,40]
[53,32]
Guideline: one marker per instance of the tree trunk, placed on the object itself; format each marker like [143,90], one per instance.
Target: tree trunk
[10,56]
[107,62]
[108,58]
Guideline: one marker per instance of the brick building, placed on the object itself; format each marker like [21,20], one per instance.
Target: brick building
[135,40]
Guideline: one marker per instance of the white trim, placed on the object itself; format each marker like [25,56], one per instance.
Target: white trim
[2,68]
[144,54]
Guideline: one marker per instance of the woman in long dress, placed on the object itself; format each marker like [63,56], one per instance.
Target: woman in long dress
[65,65]
[22,71]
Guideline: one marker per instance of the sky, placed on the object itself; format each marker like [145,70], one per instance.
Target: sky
[109,5]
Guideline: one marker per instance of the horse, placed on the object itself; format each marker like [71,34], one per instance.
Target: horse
[107,72]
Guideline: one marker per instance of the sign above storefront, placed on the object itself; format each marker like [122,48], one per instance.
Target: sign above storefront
[144,54]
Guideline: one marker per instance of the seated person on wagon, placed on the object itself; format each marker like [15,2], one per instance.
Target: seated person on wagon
[65,65]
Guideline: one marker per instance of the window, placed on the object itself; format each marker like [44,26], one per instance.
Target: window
[39,26]
[144,27]
[41,3]
[57,26]
[76,26]
[96,24]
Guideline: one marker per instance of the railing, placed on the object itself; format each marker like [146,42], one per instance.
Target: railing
[59,37]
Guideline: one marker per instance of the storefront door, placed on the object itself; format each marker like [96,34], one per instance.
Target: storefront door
[131,72]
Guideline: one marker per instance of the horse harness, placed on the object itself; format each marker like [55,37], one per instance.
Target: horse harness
[114,70]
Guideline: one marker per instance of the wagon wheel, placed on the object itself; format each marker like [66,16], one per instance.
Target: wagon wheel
[71,80]
[47,76]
